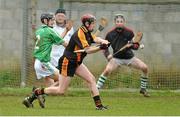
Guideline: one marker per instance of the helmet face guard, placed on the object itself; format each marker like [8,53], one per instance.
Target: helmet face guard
[119,19]
[87,18]
[47,16]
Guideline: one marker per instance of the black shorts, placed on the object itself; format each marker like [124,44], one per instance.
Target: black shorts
[67,67]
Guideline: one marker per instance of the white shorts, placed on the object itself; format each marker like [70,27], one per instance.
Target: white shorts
[124,61]
[43,69]
[56,53]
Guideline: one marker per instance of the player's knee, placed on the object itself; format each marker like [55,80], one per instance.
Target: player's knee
[145,69]
[107,71]
[92,80]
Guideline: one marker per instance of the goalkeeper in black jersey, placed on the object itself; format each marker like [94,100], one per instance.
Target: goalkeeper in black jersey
[119,36]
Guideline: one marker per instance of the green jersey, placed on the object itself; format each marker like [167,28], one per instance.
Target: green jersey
[46,37]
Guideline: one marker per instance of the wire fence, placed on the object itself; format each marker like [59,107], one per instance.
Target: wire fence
[163,68]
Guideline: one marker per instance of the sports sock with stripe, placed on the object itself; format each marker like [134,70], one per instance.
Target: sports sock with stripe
[101,81]
[144,82]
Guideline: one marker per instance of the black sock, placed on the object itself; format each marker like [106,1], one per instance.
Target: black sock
[42,91]
[32,97]
[97,101]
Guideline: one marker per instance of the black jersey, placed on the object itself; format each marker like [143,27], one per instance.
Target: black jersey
[81,39]
[118,40]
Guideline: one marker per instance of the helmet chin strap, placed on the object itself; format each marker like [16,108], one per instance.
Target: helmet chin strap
[87,27]
[50,26]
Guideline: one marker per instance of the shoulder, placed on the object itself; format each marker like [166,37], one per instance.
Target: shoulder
[52,31]
[80,32]
[40,30]
[111,31]
[128,30]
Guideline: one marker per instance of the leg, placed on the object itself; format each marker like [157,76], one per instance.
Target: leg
[85,74]
[138,64]
[48,81]
[66,69]
[64,80]
[54,90]
[38,93]
[52,80]
[61,88]
[111,66]
[56,75]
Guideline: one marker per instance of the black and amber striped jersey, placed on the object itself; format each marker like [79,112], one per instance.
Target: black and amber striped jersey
[118,40]
[81,39]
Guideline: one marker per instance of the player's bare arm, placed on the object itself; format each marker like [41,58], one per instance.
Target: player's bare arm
[101,41]
[103,44]
[90,50]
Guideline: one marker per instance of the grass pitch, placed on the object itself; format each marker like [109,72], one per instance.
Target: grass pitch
[79,103]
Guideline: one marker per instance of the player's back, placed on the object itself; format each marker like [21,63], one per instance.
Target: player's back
[45,38]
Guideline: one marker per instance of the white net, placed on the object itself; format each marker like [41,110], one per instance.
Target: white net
[160,53]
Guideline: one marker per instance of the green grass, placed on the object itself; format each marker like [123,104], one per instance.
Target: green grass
[79,103]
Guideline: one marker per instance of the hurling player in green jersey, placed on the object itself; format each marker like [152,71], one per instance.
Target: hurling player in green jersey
[45,38]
